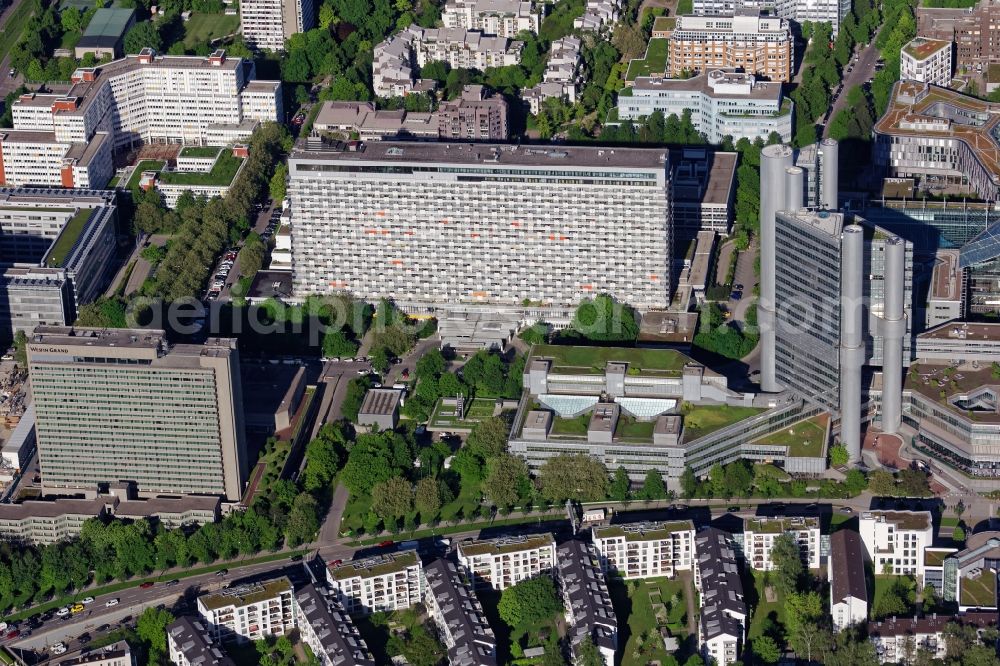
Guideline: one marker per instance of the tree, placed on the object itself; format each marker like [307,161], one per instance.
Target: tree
[142,35]
[620,486]
[421,648]
[689,482]
[959,507]
[803,616]
[529,603]
[573,476]
[958,534]
[427,498]
[839,455]
[765,649]
[893,601]
[855,481]
[431,364]
[392,498]
[303,520]
[151,627]
[489,437]
[336,344]
[323,457]
[739,479]
[278,184]
[354,396]
[605,320]
[506,478]
[929,596]
[587,653]
[881,483]
[21,349]
[653,487]
[787,562]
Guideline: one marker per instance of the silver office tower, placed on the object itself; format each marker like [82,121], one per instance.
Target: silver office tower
[445,225]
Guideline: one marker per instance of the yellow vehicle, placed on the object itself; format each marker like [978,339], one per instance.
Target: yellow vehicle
[76,608]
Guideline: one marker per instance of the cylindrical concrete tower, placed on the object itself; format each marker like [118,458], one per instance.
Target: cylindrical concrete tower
[852,349]
[894,328]
[795,189]
[774,160]
[829,176]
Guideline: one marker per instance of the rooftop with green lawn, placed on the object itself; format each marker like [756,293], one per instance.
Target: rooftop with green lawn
[222,173]
[804,439]
[979,591]
[653,64]
[594,360]
[643,531]
[244,595]
[144,165]
[702,420]
[502,546]
[780,525]
[60,250]
[200,151]
[375,566]
[935,557]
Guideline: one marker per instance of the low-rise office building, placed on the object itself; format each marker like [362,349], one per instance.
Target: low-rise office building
[959,342]
[970,575]
[724,613]
[250,612]
[927,61]
[760,45]
[389,582]
[646,550]
[190,643]
[361,119]
[504,18]
[704,190]
[895,540]
[328,630]
[589,612]
[458,616]
[722,102]
[946,294]
[380,408]
[759,535]
[503,563]
[848,590]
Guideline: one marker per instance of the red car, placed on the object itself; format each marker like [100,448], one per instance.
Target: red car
[386,543]
[13,634]
[148,584]
[336,563]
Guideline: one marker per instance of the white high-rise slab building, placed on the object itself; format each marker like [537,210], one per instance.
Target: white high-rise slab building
[266,24]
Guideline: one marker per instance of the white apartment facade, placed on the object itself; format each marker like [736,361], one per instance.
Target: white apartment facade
[598,15]
[157,99]
[562,76]
[722,102]
[454,225]
[250,612]
[503,563]
[383,583]
[895,540]
[724,615]
[825,11]
[759,535]
[504,18]
[897,640]
[646,550]
[36,157]
[266,24]
[926,60]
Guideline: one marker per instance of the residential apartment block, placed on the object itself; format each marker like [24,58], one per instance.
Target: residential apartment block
[722,103]
[150,98]
[454,224]
[396,58]
[970,30]
[328,630]
[38,158]
[598,15]
[57,253]
[927,61]
[848,589]
[816,11]
[894,639]
[250,612]
[759,45]
[382,583]
[116,654]
[504,18]
[646,550]
[114,404]
[895,540]
[562,76]
[502,563]
[458,616]
[267,24]
[190,643]
[724,613]
[474,116]
[759,535]
[589,612]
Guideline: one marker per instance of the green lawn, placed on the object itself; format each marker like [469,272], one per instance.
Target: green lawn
[574,427]
[980,591]
[14,27]
[702,420]
[803,439]
[145,165]
[202,28]
[70,233]
[885,583]
[638,625]
[475,411]
[594,360]
[221,174]
[630,428]
[200,151]
[764,610]
[655,61]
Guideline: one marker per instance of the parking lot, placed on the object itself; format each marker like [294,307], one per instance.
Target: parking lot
[221,274]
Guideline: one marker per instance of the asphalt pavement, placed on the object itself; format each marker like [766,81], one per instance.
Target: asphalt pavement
[7,82]
[862,69]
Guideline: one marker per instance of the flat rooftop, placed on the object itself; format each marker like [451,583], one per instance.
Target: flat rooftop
[905,520]
[714,171]
[109,22]
[506,545]
[244,595]
[945,284]
[922,47]
[958,385]
[494,155]
[643,531]
[985,332]
[379,565]
[568,359]
[758,89]
[780,525]
[380,402]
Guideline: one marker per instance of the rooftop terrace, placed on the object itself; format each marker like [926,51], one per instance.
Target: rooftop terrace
[67,239]
[244,595]
[967,392]
[502,546]
[804,439]
[375,566]
[594,360]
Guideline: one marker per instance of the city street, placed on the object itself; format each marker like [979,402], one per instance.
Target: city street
[862,70]
[8,83]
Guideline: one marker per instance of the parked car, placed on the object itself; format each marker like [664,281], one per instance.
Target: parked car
[222,572]
[76,608]
[145,586]
[63,612]
[111,602]
[87,600]
[59,648]
[846,509]
[171,583]
[386,544]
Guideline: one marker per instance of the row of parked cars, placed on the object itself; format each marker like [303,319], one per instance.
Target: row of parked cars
[221,273]
[272,225]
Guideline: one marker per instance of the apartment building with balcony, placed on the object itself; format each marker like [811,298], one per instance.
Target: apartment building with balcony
[388,582]
[268,24]
[759,535]
[759,45]
[503,563]
[722,102]
[476,115]
[504,18]
[598,15]
[897,638]
[250,612]
[454,226]
[38,158]
[589,612]
[724,613]
[149,98]
[927,61]
[328,630]
[562,77]
[895,540]
[816,11]
[848,589]
[116,654]
[458,616]
[191,643]
[646,550]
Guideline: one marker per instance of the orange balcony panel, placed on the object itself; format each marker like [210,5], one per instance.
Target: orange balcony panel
[380,213]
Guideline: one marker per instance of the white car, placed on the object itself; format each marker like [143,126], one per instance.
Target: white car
[63,612]
[87,600]
[363,371]
[59,648]
[111,602]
